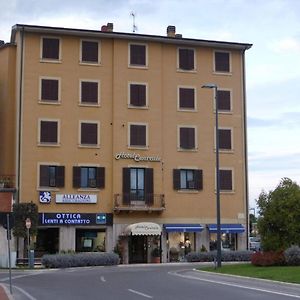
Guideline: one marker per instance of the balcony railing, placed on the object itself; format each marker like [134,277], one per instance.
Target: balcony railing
[7,181]
[130,203]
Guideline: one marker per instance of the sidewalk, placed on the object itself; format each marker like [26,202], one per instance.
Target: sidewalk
[4,293]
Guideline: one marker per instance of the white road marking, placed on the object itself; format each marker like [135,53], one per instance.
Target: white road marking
[236,285]
[102,279]
[139,293]
[24,292]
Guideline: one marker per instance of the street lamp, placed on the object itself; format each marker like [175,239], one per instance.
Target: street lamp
[219,254]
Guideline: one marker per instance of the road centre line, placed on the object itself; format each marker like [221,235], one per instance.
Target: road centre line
[139,293]
[235,285]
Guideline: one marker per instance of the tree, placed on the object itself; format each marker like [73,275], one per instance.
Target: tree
[279,212]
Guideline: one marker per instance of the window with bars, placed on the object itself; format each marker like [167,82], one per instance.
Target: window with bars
[48,132]
[49,90]
[222,61]
[187,179]
[50,48]
[138,55]
[90,52]
[52,176]
[88,177]
[186,98]
[89,134]
[186,59]
[89,92]
[187,139]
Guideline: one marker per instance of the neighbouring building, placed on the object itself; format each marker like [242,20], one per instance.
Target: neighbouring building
[112,136]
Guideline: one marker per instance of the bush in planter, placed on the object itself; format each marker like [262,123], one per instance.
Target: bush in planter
[270,258]
[80,259]
[292,256]
[243,255]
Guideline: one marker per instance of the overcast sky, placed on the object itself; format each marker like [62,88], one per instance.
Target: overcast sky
[273,63]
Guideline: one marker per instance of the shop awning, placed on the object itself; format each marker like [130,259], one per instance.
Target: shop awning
[227,228]
[183,227]
[144,228]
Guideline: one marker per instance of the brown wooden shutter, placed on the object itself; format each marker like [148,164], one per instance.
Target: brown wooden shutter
[137,135]
[44,175]
[48,132]
[49,90]
[186,98]
[225,139]
[187,138]
[138,94]
[89,51]
[226,180]
[126,186]
[76,177]
[186,59]
[60,176]
[149,199]
[50,48]
[89,92]
[100,175]
[198,179]
[176,179]
[224,100]
[89,133]
[138,55]
[222,62]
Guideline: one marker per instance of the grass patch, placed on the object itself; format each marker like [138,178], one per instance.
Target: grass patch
[277,273]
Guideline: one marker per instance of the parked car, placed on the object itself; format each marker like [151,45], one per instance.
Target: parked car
[254,243]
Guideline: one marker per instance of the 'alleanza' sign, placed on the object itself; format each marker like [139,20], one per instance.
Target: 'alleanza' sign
[76,198]
[137,157]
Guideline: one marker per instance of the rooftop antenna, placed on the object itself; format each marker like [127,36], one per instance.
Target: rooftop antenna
[134,27]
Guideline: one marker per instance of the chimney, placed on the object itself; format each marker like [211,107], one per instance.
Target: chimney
[171,31]
[107,28]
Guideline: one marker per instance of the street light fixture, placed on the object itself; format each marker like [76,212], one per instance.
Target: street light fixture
[219,254]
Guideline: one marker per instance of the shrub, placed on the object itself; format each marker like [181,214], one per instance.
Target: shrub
[243,255]
[292,256]
[80,259]
[270,258]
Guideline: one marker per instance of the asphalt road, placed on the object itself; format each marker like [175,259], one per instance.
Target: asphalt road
[141,282]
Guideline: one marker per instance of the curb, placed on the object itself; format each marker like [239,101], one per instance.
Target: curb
[4,293]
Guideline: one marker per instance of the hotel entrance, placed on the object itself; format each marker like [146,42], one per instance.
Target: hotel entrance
[138,249]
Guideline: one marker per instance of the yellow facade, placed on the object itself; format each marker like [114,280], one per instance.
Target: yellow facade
[21,76]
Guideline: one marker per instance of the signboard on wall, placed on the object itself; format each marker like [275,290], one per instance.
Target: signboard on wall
[75,198]
[74,219]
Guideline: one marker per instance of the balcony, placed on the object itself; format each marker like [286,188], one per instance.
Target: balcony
[7,181]
[130,203]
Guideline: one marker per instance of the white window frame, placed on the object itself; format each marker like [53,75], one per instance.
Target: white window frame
[48,60]
[128,136]
[99,53]
[195,109]
[98,134]
[98,103]
[147,95]
[147,58]
[51,102]
[178,138]
[230,63]
[57,144]
[195,60]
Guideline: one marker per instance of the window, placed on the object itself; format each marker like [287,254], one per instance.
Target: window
[138,135]
[50,48]
[52,176]
[138,55]
[49,90]
[137,94]
[186,59]
[90,52]
[226,180]
[89,91]
[89,133]
[222,61]
[48,132]
[187,98]
[224,100]
[88,177]
[187,179]
[225,139]
[138,185]
[187,138]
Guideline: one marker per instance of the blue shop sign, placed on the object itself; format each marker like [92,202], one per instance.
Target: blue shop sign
[74,219]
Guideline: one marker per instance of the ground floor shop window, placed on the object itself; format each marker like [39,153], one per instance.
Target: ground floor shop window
[90,240]
[180,244]
[229,241]
[47,241]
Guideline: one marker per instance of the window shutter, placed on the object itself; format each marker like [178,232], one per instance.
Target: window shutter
[48,132]
[89,51]
[176,179]
[222,62]
[226,180]
[60,176]
[50,48]
[149,186]
[76,177]
[89,133]
[44,175]
[186,59]
[89,92]
[138,55]
[126,185]
[224,100]
[100,174]
[49,90]
[198,179]
[137,135]
[186,98]
[225,139]
[187,138]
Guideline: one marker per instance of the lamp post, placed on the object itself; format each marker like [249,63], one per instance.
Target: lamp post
[219,254]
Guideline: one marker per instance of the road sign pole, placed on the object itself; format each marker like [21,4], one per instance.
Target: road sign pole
[9,254]
[28,225]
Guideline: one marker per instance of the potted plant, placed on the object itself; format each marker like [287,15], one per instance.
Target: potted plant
[156,253]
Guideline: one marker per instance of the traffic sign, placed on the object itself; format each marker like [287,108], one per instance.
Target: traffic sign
[28,223]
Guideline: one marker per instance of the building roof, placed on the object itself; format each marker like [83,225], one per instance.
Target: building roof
[178,40]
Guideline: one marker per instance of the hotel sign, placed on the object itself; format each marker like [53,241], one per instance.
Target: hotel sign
[137,157]
[75,198]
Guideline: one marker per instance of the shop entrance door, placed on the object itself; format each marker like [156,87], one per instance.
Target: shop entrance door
[47,241]
[138,249]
